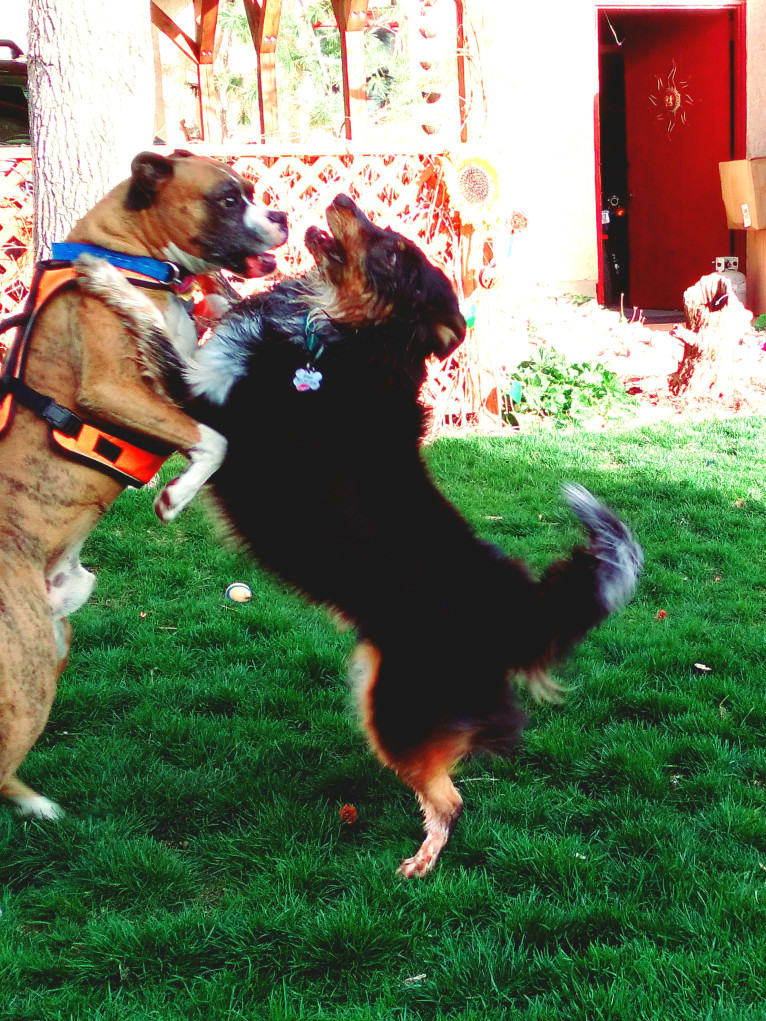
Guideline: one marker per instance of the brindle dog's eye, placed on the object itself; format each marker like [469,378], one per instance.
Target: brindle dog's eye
[230,201]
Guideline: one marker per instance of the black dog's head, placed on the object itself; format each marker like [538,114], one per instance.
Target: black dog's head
[372,275]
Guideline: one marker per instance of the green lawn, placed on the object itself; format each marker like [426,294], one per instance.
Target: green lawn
[615,870]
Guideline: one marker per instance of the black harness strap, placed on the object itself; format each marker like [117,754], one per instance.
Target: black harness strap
[56,415]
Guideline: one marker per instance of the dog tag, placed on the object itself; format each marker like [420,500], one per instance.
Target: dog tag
[307,379]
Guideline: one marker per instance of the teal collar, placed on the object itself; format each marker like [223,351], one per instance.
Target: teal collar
[308,377]
[311,339]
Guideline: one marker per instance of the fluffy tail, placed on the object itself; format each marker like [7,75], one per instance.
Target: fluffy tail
[618,559]
[577,594]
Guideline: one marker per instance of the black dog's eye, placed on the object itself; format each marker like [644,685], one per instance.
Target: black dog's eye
[392,255]
[230,201]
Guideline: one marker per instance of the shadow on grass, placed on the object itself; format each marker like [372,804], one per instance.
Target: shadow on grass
[613,869]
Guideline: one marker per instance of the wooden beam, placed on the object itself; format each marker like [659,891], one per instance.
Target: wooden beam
[166,25]
[351,16]
[209,103]
[354,82]
[462,96]
[208,18]
[263,17]
[263,20]
[268,103]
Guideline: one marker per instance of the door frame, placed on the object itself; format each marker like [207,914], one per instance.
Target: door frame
[739,98]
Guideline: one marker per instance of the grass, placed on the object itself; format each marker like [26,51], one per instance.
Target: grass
[616,869]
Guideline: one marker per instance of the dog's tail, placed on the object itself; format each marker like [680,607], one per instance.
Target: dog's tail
[617,558]
[575,595]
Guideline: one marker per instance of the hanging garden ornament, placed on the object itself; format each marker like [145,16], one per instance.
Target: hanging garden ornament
[473,185]
[431,43]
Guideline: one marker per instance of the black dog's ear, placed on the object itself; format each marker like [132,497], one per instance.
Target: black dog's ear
[148,172]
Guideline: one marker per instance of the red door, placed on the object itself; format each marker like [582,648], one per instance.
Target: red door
[679,125]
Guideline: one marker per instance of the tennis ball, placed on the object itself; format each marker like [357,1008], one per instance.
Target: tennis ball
[239,592]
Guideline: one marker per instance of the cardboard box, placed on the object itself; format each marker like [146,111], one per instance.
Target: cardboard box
[743,186]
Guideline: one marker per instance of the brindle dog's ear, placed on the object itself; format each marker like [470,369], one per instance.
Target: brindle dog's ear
[149,171]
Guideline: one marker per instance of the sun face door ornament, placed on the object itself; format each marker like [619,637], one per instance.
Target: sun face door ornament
[670,99]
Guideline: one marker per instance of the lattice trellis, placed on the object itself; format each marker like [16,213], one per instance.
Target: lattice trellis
[401,190]
[396,190]
[15,233]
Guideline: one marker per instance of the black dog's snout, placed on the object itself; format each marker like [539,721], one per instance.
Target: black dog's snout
[276,217]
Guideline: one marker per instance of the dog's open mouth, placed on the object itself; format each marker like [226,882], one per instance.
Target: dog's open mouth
[258,265]
[323,246]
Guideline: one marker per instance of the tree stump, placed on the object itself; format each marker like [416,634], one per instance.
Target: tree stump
[715,322]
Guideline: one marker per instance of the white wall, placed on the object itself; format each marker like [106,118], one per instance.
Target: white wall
[541,70]
[756,78]
[13,24]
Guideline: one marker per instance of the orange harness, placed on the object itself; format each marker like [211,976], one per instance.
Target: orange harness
[126,456]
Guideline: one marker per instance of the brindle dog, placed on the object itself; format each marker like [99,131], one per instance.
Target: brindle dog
[198,214]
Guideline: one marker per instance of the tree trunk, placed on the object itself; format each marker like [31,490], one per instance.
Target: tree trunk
[715,323]
[91,97]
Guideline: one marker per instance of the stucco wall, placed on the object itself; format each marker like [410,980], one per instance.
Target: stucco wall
[756,78]
[541,68]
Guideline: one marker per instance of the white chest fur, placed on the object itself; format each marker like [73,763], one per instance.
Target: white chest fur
[180,327]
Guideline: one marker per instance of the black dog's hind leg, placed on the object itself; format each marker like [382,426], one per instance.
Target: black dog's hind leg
[424,765]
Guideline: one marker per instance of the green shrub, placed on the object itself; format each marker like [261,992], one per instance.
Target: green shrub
[572,393]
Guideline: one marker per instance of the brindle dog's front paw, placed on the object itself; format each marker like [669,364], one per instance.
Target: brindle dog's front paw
[101,280]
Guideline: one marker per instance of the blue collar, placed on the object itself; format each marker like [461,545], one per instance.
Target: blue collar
[167,272]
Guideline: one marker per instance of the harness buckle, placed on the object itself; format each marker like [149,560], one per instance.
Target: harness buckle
[175,273]
[61,419]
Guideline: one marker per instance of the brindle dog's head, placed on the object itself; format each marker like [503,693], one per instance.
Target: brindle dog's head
[371,275]
[199,213]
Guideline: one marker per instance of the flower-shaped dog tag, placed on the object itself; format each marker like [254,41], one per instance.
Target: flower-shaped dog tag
[307,379]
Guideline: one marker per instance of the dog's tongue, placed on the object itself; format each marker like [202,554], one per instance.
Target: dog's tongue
[260,265]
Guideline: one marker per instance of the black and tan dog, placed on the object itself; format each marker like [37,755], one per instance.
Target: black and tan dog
[338,501]
[70,394]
